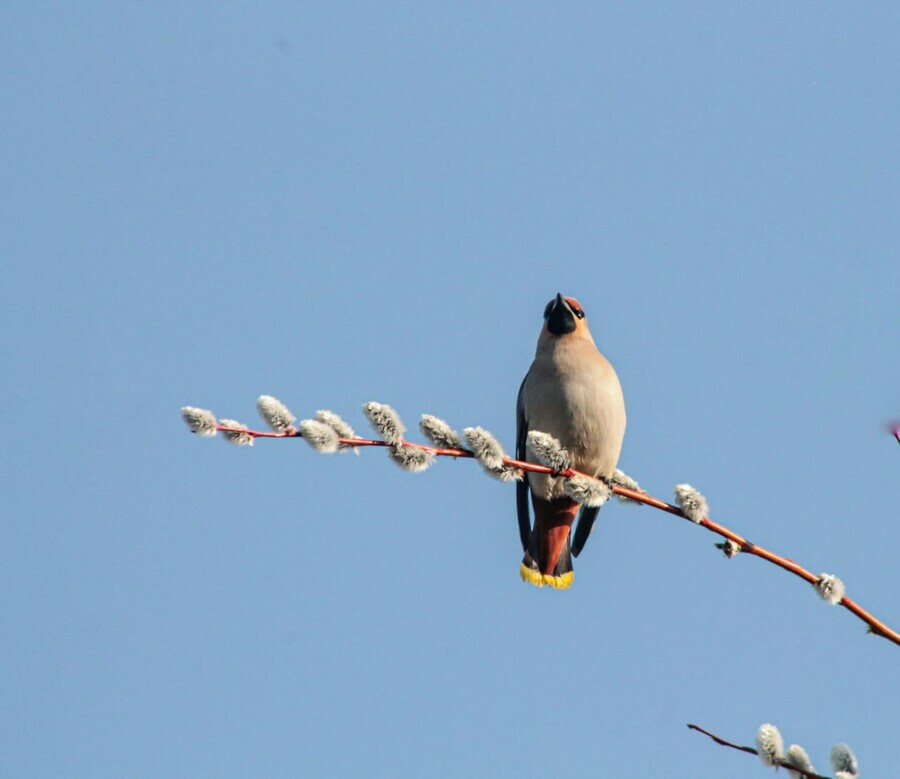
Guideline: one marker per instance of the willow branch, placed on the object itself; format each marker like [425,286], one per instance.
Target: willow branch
[750,750]
[876,626]
[722,741]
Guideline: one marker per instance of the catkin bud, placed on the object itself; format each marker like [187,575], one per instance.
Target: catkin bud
[199,420]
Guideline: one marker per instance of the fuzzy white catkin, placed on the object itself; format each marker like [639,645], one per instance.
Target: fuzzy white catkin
[411,458]
[729,548]
[199,420]
[339,426]
[769,745]
[385,421]
[490,454]
[692,504]
[830,588]
[843,760]
[485,447]
[548,450]
[508,473]
[624,480]
[319,436]
[335,423]
[235,436]
[796,756]
[589,492]
[275,414]
[439,432]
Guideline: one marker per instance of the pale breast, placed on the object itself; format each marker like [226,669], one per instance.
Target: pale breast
[574,395]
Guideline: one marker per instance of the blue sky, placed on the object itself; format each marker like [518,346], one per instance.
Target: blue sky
[338,203]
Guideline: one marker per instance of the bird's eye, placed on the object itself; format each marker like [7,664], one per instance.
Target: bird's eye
[578,312]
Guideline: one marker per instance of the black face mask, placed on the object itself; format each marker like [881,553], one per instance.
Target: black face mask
[560,319]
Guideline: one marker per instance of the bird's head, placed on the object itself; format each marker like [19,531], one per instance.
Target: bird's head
[564,317]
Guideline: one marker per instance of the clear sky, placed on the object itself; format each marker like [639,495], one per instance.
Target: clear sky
[337,203]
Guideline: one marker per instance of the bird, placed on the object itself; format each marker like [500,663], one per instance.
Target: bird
[573,393]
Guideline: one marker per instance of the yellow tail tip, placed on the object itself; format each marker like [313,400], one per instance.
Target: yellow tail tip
[539,579]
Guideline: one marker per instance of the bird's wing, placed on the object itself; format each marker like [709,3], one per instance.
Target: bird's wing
[583,528]
[522,486]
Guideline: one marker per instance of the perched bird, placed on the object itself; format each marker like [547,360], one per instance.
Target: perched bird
[572,393]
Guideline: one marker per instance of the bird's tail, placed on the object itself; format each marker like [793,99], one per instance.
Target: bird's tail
[560,577]
[548,560]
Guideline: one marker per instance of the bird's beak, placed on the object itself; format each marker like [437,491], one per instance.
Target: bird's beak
[561,320]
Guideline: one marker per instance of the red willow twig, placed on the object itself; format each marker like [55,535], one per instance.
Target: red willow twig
[752,751]
[876,626]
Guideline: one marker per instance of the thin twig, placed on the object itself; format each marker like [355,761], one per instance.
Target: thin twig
[722,741]
[876,626]
[752,751]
